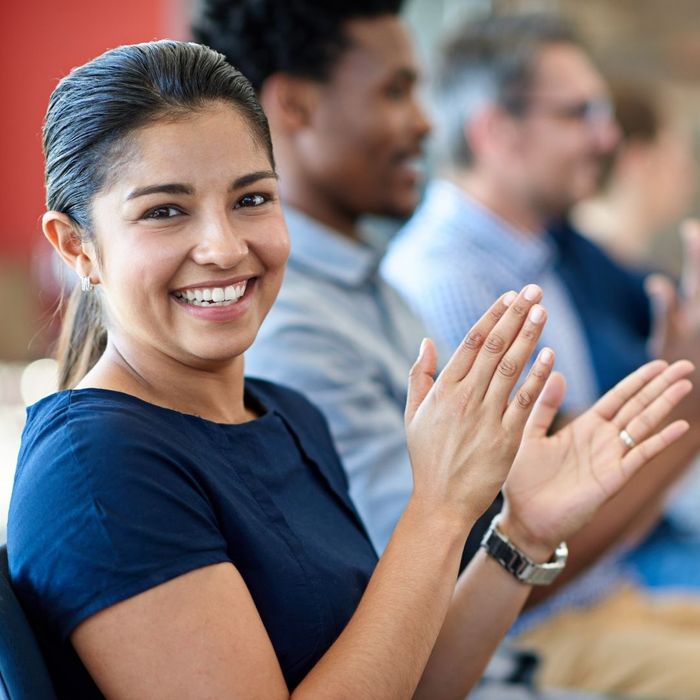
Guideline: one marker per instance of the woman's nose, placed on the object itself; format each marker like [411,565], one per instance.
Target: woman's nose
[220,244]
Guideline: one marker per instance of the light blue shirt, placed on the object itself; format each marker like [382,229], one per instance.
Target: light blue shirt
[455,257]
[344,338]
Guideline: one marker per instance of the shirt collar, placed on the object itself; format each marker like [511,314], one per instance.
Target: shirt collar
[481,227]
[326,252]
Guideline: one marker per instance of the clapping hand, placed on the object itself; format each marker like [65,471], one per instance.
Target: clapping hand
[558,482]
[463,429]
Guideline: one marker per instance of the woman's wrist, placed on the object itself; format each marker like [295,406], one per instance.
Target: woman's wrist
[534,547]
[444,521]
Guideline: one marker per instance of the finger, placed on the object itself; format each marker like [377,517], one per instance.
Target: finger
[420,378]
[516,357]
[690,277]
[463,357]
[651,391]
[500,339]
[546,408]
[611,402]
[663,300]
[520,408]
[642,425]
[647,450]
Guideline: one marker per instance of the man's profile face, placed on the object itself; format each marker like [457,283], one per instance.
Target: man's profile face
[367,130]
[565,132]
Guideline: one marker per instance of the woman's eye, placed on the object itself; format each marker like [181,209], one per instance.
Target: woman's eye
[162,213]
[251,200]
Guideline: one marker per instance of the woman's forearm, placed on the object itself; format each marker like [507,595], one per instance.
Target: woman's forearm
[486,601]
[384,648]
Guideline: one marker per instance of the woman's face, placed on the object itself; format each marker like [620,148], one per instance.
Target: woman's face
[191,238]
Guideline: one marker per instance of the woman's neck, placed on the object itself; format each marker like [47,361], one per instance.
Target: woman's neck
[214,391]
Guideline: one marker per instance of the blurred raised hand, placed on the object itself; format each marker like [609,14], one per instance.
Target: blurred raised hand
[676,312]
[558,482]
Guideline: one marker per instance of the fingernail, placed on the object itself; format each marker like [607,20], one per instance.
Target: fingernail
[423,343]
[546,356]
[536,313]
[509,298]
[532,291]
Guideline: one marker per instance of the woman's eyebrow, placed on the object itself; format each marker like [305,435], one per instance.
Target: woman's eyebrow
[250,178]
[168,188]
[180,188]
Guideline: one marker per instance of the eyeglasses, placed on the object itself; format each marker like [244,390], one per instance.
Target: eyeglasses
[593,112]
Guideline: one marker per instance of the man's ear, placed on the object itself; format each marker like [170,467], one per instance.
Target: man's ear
[288,101]
[485,127]
[63,234]
[492,130]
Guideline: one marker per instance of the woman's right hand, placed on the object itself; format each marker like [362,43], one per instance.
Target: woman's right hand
[463,432]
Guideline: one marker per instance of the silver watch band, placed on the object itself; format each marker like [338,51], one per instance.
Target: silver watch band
[518,563]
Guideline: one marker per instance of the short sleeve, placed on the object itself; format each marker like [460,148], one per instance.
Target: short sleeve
[104,507]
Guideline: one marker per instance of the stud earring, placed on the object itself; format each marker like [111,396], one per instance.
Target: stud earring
[85,284]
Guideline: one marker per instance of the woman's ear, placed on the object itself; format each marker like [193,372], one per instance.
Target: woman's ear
[64,235]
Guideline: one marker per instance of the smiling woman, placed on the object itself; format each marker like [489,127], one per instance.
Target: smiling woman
[177,530]
[85,131]
[160,230]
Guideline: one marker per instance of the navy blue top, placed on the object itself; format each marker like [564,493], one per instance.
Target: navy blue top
[610,301]
[114,495]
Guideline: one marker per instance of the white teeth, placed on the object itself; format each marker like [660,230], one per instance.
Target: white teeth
[210,296]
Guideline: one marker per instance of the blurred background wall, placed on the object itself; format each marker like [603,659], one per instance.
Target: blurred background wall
[653,41]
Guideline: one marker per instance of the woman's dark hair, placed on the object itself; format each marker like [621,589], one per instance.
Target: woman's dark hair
[304,38]
[91,114]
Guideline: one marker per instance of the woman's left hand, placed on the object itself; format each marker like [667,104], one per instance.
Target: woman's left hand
[558,482]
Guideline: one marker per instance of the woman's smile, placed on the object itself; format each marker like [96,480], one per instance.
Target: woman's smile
[217,303]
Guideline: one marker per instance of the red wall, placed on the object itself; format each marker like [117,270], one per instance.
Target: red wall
[40,40]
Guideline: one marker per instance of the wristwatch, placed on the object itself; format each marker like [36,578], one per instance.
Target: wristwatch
[519,564]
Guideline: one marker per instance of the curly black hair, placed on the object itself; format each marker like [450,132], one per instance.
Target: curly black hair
[300,37]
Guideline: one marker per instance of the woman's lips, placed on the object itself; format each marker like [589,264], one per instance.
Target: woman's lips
[215,308]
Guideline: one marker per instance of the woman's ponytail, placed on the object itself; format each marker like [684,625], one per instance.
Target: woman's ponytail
[83,337]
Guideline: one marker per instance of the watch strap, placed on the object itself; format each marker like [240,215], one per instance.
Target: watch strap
[517,563]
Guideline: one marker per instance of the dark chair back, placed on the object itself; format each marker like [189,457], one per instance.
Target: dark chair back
[23,673]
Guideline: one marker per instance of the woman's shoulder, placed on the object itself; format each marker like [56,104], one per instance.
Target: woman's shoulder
[83,430]
[106,503]
[92,404]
